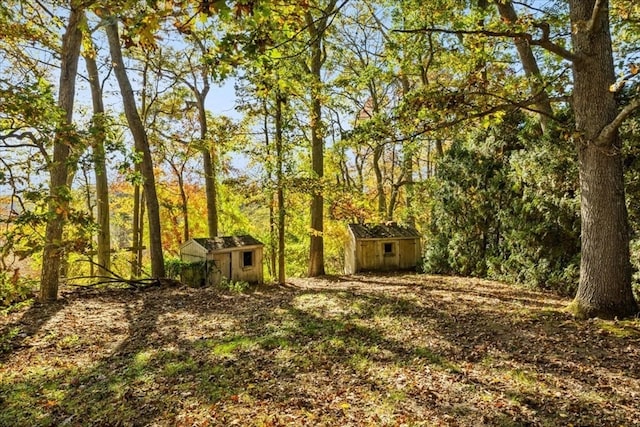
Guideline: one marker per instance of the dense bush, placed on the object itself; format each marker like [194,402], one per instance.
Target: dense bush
[505,205]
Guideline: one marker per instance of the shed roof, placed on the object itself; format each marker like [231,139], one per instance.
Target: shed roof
[383,231]
[227,242]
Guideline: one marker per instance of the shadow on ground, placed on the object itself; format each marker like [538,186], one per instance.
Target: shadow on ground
[361,351]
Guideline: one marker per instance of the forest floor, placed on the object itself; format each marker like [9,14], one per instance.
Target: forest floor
[389,350]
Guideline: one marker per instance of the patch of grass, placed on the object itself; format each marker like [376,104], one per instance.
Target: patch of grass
[271,342]
[379,355]
[235,286]
[19,306]
[179,368]
[6,339]
[232,344]
[522,378]
[215,382]
[620,329]
[436,360]
[68,342]
[360,363]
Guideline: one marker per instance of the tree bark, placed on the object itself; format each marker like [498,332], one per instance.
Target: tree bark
[605,271]
[280,189]
[316,30]
[136,232]
[142,146]
[531,69]
[100,168]
[378,150]
[208,163]
[59,190]
[184,204]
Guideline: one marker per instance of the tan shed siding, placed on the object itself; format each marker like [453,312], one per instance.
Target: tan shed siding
[253,273]
[226,262]
[408,253]
[370,255]
[350,257]
[192,251]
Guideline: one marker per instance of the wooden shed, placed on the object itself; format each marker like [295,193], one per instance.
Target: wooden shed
[238,258]
[381,247]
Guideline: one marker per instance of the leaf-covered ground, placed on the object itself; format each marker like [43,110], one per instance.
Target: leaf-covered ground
[396,350]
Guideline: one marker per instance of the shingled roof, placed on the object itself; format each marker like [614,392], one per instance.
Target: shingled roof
[383,231]
[227,242]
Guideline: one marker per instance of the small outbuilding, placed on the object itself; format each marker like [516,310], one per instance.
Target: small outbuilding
[381,247]
[237,258]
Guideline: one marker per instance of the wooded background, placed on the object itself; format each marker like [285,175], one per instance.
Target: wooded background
[507,132]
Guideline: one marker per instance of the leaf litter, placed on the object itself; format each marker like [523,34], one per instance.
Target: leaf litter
[363,350]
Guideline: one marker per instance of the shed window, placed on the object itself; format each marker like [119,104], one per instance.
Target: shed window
[388,249]
[247,259]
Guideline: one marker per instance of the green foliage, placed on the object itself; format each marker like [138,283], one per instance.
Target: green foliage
[173,267]
[504,205]
[630,134]
[15,288]
[235,286]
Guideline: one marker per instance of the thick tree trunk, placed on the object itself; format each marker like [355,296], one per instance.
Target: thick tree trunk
[59,190]
[100,169]
[142,146]
[605,271]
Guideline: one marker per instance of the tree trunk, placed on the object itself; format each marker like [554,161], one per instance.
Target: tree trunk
[59,190]
[280,189]
[382,199]
[184,207]
[100,169]
[142,145]
[605,271]
[316,246]
[531,69]
[208,165]
[136,231]
[273,244]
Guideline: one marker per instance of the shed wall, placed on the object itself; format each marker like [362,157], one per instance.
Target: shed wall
[192,251]
[227,263]
[251,274]
[350,257]
[370,255]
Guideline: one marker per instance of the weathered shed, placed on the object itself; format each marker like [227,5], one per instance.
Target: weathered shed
[381,247]
[238,258]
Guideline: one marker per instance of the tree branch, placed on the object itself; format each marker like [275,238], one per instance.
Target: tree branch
[543,42]
[607,133]
[594,22]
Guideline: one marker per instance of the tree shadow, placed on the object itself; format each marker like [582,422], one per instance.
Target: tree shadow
[14,333]
[336,356]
